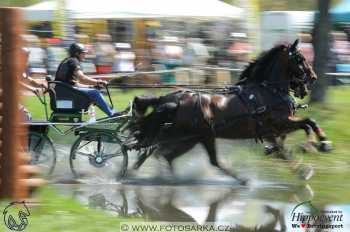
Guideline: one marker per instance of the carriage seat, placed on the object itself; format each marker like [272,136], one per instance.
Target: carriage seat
[67,103]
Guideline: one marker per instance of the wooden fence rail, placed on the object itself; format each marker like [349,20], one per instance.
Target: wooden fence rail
[14,176]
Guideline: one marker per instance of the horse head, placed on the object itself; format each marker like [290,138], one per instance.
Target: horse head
[269,68]
[282,67]
[302,73]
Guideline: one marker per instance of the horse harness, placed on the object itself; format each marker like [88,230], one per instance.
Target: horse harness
[252,98]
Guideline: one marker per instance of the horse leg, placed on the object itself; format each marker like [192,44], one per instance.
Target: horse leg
[309,126]
[277,145]
[305,172]
[142,158]
[170,152]
[293,124]
[210,147]
[324,144]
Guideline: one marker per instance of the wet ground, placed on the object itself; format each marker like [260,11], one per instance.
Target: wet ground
[199,193]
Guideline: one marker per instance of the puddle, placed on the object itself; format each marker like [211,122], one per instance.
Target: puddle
[200,194]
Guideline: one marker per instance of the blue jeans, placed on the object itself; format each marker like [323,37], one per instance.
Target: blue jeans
[97,97]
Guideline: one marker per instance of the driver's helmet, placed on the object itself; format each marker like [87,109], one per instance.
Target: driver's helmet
[76,48]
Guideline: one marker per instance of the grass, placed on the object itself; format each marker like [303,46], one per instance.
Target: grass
[59,213]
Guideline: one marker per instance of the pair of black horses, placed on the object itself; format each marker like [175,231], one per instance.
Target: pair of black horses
[260,106]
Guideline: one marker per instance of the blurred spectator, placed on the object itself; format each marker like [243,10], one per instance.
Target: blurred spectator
[306,47]
[28,83]
[171,55]
[172,50]
[37,57]
[55,53]
[341,48]
[239,50]
[105,53]
[124,60]
[340,43]
[84,39]
[42,29]
[196,53]
[88,64]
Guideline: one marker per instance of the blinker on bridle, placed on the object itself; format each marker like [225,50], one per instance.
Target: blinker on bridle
[294,56]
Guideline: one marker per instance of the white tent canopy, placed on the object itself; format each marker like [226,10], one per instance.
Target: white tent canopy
[41,12]
[103,9]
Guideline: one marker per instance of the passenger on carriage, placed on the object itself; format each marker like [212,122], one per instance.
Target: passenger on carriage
[69,71]
[28,83]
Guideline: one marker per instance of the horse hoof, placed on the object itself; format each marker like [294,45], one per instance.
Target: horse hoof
[268,150]
[325,146]
[243,182]
[306,172]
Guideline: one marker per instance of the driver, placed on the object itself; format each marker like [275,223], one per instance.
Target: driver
[69,71]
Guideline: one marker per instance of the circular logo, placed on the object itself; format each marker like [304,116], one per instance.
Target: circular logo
[124,227]
[15,216]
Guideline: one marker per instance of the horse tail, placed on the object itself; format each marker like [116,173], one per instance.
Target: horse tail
[145,127]
[141,103]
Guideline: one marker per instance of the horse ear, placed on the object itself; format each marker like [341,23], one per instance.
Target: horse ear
[294,45]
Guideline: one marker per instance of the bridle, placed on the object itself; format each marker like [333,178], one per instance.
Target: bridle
[297,60]
[299,78]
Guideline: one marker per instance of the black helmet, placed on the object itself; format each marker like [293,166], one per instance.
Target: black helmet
[76,47]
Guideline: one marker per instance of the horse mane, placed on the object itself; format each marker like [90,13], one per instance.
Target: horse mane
[259,70]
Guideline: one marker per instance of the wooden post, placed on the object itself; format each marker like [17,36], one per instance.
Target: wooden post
[11,67]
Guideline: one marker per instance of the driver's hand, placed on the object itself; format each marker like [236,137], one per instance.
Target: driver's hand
[39,91]
[42,86]
[101,83]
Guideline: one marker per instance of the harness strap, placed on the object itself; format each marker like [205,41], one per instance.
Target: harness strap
[253,111]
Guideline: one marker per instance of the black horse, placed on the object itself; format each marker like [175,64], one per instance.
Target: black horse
[259,106]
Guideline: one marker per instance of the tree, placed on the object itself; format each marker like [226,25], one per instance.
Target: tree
[18,3]
[266,5]
[321,48]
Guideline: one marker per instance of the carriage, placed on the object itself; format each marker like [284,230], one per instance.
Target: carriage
[98,144]
[261,109]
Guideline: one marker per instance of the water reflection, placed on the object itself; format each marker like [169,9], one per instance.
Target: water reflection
[246,209]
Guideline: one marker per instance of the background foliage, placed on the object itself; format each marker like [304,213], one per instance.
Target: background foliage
[21,3]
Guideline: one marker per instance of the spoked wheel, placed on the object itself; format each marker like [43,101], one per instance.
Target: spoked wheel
[98,155]
[42,152]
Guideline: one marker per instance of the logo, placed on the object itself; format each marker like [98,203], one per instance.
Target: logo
[306,216]
[15,216]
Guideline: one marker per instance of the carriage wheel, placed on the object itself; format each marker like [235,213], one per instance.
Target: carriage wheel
[42,152]
[98,155]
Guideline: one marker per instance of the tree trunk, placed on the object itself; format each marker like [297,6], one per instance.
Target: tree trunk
[321,48]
